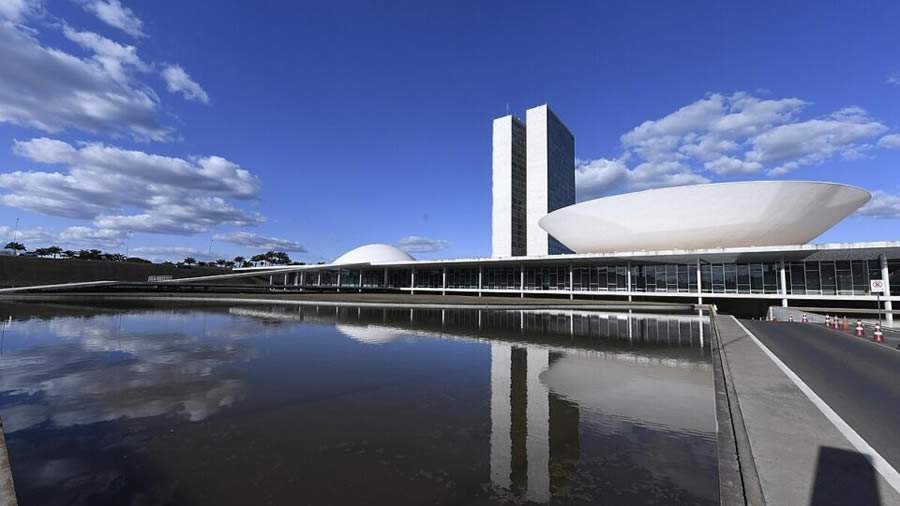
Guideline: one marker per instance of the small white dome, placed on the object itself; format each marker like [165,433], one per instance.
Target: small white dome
[374,253]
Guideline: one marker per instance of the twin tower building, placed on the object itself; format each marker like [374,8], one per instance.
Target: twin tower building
[533,174]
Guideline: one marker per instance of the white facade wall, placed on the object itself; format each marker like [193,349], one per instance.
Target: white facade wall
[501,180]
[536,182]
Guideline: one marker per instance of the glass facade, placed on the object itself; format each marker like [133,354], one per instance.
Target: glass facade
[809,278]
[519,173]
[560,172]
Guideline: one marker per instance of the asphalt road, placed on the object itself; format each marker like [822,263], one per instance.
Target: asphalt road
[859,380]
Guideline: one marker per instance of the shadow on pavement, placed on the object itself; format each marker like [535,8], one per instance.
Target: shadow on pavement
[844,477]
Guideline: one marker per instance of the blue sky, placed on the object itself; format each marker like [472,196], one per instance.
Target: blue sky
[172,129]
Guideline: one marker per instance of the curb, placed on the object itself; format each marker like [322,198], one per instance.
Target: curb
[739,482]
[7,490]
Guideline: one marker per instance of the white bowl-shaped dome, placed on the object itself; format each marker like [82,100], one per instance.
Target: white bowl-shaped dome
[374,253]
[716,215]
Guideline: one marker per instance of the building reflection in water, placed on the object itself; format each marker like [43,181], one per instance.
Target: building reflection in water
[532,429]
[546,385]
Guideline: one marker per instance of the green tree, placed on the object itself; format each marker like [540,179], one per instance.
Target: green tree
[15,246]
[239,260]
[189,261]
[54,250]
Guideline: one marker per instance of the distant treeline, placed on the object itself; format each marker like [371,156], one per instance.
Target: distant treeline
[267,258]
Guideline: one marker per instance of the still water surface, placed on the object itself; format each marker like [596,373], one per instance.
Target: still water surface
[165,404]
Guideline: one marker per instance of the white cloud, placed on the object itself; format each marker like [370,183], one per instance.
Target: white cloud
[162,253]
[261,242]
[97,237]
[813,141]
[27,236]
[117,59]
[178,81]
[882,205]
[890,141]
[16,10]
[727,135]
[100,182]
[894,79]
[52,90]
[595,178]
[420,244]
[113,13]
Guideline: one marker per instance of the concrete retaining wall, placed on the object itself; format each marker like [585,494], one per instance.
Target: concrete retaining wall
[27,271]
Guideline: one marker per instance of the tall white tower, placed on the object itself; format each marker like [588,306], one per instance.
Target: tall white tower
[508,180]
[550,176]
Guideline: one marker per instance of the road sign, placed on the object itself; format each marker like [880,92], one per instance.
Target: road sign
[876,286]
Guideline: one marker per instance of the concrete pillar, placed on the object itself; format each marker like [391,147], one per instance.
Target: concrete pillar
[319,280]
[302,278]
[522,281]
[359,282]
[628,280]
[571,283]
[412,281]
[699,286]
[385,277]
[339,280]
[480,273]
[888,305]
[783,274]
[444,282]
[284,288]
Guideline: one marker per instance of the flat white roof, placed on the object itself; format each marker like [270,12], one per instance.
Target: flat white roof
[792,251]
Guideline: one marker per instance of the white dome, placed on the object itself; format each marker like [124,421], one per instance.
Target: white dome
[719,215]
[374,253]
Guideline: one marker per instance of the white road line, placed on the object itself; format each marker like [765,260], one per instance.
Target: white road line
[882,466]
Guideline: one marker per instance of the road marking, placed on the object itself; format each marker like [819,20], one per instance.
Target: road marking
[878,462]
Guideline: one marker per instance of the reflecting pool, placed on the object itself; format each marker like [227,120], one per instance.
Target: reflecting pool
[253,404]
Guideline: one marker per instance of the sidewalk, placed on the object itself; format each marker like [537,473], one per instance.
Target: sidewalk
[7,492]
[799,455]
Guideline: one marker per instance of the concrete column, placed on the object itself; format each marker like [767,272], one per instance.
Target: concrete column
[412,281]
[385,277]
[285,281]
[783,274]
[302,278]
[628,280]
[480,273]
[339,280]
[522,281]
[571,283]
[359,282]
[888,305]
[444,282]
[271,281]
[319,280]
[699,287]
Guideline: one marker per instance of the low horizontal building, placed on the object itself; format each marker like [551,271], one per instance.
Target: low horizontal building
[786,275]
